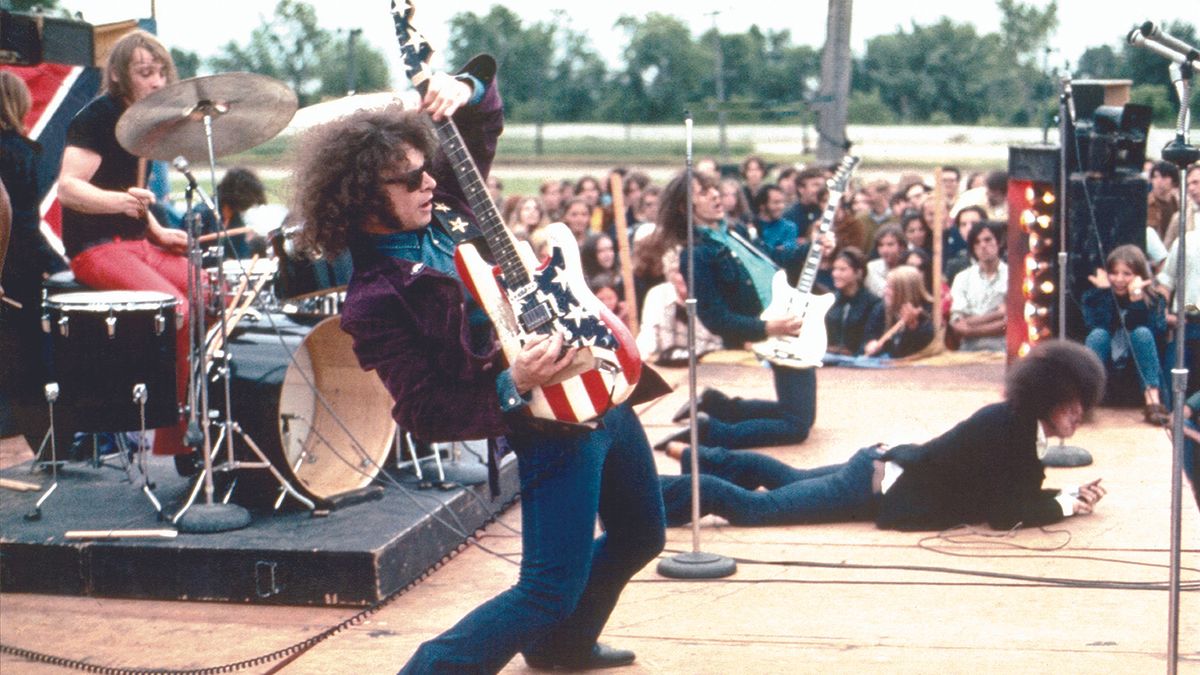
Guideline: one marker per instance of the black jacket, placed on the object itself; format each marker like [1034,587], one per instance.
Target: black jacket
[984,469]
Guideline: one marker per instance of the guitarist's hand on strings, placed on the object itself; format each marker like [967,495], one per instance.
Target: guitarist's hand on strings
[787,326]
[444,96]
[540,360]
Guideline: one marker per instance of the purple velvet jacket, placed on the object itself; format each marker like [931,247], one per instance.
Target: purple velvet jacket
[409,321]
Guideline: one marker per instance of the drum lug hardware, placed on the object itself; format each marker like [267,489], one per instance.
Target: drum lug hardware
[111,324]
[64,324]
[160,324]
[46,323]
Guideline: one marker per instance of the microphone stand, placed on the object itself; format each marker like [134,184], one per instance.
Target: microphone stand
[695,564]
[1182,154]
[1064,455]
[209,516]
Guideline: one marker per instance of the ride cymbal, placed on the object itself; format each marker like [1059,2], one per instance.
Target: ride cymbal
[246,110]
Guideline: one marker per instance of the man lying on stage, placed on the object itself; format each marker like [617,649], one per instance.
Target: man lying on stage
[984,469]
[375,183]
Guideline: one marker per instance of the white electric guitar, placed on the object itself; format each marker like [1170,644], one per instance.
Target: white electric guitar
[807,348]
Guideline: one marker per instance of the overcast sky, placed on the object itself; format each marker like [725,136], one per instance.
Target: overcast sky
[203,27]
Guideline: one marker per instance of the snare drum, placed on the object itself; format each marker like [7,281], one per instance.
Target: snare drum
[103,344]
[236,272]
[299,393]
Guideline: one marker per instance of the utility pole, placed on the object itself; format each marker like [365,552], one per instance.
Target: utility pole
[834,95]
[723,143]
[352,61]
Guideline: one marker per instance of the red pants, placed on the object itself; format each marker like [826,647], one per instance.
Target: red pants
[138,265]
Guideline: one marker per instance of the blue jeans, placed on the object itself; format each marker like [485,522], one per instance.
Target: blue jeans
[569,580]
[729,485]
[747,423]
[1143,347]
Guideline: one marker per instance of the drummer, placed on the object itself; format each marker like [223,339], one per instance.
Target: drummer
[110,236]
[239,191]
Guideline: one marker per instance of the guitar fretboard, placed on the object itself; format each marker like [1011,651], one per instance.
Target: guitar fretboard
[812,263]
[499,238]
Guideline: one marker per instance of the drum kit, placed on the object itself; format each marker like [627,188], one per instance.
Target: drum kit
[309,424]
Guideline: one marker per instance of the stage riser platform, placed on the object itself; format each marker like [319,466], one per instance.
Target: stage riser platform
[355,556]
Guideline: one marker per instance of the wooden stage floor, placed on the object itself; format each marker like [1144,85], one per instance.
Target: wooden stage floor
[806,599]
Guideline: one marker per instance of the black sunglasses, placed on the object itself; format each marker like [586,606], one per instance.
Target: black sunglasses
[411,180]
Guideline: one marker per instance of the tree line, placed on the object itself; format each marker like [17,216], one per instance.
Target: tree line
[944,72]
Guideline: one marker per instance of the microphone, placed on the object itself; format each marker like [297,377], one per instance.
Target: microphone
[181,165]
[1151,31]
[1138,40]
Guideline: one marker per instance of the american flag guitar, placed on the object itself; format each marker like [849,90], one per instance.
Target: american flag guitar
[525,298]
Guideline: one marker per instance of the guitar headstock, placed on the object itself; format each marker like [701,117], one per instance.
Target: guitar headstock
[840,177]
[415,50]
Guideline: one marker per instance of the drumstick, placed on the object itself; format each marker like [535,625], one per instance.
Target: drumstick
[121,534]
[18,485]
[214,334]
[887,335]
[241,311]
[213,236]
[10,301]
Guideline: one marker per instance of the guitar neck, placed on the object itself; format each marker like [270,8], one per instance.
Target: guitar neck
[499,238]
[812,263]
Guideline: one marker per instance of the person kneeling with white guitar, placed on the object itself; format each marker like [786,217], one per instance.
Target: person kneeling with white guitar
[733,286]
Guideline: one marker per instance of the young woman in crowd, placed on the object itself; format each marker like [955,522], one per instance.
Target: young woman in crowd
[524,216]
[916,231]
[890,246]
[734,203]
[846,321]
[1126,319]
[921,260]
[754,173]
[901,324]
[577,215]
[599,256]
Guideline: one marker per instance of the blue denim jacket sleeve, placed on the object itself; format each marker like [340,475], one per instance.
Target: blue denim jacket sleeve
[511,400]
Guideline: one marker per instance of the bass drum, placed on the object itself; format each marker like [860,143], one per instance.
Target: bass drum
[298,392]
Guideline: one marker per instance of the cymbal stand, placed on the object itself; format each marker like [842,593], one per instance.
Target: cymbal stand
[209,516]
[51,392]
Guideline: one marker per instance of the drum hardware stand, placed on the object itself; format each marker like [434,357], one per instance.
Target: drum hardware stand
[139,397]
[264,463]
[51,392]
[209,516]
[455,471]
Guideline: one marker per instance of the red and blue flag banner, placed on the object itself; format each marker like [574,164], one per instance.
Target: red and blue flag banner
[59,92]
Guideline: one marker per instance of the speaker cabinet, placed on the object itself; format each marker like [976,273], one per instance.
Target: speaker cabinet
[1102,214]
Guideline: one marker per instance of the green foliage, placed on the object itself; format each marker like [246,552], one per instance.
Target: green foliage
[292,47]
[30,5]
[944,67]
[869,108]
[1160,100]
[186,63]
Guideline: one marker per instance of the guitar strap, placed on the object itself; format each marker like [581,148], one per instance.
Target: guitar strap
[753,249]
[461,228]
